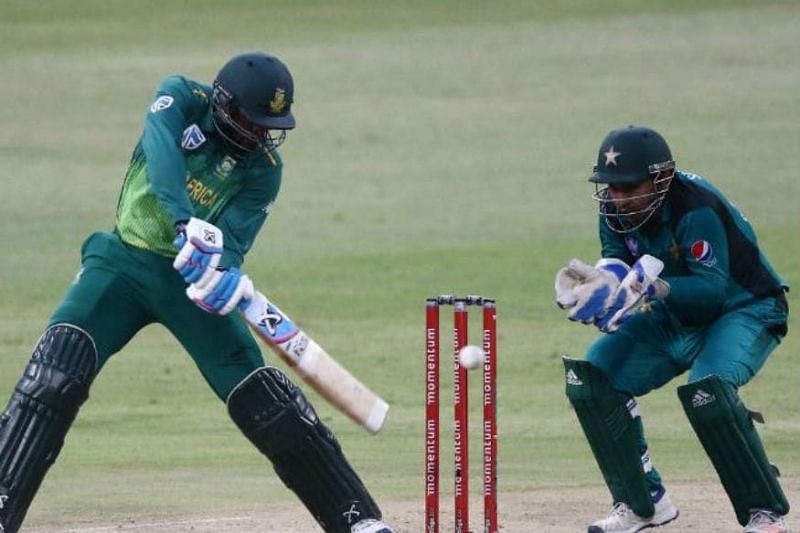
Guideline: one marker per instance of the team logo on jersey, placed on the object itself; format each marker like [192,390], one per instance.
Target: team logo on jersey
[703,253]
[193,138]
[225,167]
[632,245]
[675,250]
[162,102]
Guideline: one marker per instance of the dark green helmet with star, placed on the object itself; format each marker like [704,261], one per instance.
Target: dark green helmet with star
[631,154]
[252,99]
[627,157]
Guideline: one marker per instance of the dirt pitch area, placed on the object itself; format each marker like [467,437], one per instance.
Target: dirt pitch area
[703,506]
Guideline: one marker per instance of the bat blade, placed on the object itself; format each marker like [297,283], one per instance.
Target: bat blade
[317,368]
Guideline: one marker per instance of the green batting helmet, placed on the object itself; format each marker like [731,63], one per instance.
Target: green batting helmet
[253,94]
[628,157]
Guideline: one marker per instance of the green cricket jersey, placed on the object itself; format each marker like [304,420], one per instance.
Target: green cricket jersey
[181,168]
[711,256]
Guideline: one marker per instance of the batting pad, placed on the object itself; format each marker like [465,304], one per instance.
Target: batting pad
[725,429]
[42,408]
[276,417]
[608,420]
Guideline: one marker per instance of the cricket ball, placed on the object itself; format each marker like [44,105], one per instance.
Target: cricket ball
[470,356]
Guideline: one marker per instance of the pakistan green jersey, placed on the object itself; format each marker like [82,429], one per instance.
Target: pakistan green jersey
[181,168]
[711,256]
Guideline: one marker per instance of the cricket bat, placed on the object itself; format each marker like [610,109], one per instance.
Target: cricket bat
[321,371]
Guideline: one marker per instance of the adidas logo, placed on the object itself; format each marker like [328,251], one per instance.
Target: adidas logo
[572,378]
[647,466]
[633,408]
[702,398]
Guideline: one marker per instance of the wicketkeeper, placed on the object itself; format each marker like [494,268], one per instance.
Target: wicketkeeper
[681,286]
[201,182]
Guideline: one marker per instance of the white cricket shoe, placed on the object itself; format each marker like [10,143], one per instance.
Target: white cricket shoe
[622,519]
[765,521]
[371,525]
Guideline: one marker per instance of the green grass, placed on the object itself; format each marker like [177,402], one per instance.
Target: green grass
[441,147]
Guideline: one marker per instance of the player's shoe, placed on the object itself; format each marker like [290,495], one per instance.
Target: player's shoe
[371,525]
[622,519]
[765,521]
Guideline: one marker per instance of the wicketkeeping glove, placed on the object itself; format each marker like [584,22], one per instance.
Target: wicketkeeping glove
[223,293]
[640,284]
[199,245]
[586,290]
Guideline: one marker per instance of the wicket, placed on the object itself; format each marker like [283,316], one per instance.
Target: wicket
[461,413]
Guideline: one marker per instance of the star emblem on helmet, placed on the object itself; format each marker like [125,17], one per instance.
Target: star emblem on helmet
[611,156]
[278,101]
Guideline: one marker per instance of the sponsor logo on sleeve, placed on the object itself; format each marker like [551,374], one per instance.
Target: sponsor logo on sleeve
[704,253]
[193,138]
[162,102]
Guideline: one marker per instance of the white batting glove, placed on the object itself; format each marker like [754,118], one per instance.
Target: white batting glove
[641,283]
[200,248]
[223,293]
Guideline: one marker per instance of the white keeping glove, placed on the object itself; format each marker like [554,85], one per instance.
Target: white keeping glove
[641,283]
[587,290]
[567,280]
[199,245]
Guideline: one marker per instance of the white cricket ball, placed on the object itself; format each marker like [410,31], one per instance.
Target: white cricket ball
[470,356]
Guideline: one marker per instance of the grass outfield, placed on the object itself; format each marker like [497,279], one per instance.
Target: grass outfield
[441,147]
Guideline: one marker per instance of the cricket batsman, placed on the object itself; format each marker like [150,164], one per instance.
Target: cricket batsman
[682,286]
[200,185]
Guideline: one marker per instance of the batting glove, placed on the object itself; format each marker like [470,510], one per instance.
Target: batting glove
[199,245]
[223,293]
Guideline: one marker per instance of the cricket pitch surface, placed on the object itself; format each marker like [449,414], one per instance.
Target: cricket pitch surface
[703,508]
